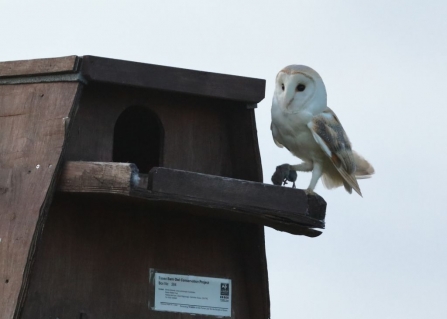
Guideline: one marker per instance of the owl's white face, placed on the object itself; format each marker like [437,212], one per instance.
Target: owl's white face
[300,88]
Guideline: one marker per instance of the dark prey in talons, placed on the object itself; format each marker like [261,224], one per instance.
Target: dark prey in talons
[283,174]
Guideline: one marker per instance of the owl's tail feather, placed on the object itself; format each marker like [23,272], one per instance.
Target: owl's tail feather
[350,182]
[363,168]
[334,177]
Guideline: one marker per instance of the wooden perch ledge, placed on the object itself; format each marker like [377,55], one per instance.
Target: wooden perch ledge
[281,208]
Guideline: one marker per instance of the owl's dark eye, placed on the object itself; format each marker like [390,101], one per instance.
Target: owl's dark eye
[300,87]
[282,86]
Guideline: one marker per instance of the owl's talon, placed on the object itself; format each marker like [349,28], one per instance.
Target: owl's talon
[283,174]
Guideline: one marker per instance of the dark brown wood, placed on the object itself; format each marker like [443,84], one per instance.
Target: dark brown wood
[92,177]
[283,221]
[33,119]
[39,66]
[246,158]
[200,134]
[96,254]
[283,202]
[230,87]
[282,208]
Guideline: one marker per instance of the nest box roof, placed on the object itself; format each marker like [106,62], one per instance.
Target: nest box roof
[92,69]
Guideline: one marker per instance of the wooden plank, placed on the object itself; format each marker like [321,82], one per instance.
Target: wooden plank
[281,208]
[230,87]
[33,120]
[295,224]
[39,66]
[291,203]
[92,177]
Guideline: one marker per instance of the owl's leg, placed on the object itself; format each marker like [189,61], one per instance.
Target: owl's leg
[316,174]
[303,167]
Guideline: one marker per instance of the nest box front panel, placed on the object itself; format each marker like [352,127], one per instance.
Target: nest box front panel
[154,128]
[96,254]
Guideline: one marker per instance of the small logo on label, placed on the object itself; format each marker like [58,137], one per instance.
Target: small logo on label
[224,292]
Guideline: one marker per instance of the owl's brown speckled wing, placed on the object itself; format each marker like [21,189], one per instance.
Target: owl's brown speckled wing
[330,135]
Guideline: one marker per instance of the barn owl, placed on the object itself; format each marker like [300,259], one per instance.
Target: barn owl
[304,124]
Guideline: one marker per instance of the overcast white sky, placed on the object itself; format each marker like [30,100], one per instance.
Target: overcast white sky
[385,68]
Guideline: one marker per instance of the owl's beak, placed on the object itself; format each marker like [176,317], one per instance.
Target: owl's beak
[288,97]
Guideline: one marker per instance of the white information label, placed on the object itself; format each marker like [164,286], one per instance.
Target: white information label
[193,294]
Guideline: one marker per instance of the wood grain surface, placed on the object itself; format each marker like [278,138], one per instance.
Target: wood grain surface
[33,119]
[39,66]
[92,177]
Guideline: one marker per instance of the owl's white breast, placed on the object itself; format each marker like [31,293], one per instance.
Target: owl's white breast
[291,130]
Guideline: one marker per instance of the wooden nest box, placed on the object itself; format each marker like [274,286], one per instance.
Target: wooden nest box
[130,190]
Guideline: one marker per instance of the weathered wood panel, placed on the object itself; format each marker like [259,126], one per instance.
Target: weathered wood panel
[38,66]
[171,79]
[91,177]
[202,135]
[32,132]
[96,253]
